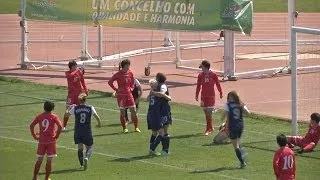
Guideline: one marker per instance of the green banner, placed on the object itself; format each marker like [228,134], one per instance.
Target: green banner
[185,15]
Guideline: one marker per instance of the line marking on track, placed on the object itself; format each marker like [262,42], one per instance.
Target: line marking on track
[115,110]
[141,161]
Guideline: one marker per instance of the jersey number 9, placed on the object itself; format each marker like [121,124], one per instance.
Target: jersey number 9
[45,124]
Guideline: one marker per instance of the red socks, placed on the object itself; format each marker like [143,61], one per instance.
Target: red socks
[309,147]
[36,169]
[48,169]
[65,120]
[209,122]
[123,121]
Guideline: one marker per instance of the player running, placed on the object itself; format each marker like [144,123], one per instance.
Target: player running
[311,139]
[136,93]
[75,84]
[284,163]
[234,110]
[125,81]
[206,82]
[82,128]
[159,115]
[47,137]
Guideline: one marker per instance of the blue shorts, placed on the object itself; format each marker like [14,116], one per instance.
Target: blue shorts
[235,133]
[156,122]
[83,137]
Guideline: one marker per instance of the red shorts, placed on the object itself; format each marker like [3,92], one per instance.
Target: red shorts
[208,102]
[47,149]
[125,101]
[72,100]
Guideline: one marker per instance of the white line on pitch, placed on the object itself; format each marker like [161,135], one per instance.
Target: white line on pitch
[116,156]
[114,110]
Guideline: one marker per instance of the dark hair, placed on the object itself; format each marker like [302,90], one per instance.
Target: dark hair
[124,62]
[235,97]
[315,117]
[282,140]
[82,98]
[48,106]
[205,64]
[161,78]
[72,63]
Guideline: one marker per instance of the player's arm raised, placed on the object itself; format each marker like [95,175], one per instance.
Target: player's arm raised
[32,125]
[96,116]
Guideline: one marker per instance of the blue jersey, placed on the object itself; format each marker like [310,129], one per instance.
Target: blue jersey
[83,115]
[235,116]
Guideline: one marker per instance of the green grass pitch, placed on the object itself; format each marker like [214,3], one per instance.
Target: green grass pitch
[124,156]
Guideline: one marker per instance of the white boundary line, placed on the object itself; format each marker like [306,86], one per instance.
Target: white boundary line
[141,161]
[115,110]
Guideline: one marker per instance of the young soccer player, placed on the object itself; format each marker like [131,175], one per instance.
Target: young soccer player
[136,93]
[159,115]
[75,84]
[284,164]
[311,139]
[47,137]
[82,128]
[125,81]
[234,110]
[206,82]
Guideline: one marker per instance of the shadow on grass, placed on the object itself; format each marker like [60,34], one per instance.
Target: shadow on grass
[213,144]
[135,158]
[114,125]
[215,170]
[108,134]
[64,171]
[185,136]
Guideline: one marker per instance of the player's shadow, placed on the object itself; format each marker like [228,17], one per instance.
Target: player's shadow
[114,125]
[64,171]
[185,136]
[135,158]
[215,170]
[214,144]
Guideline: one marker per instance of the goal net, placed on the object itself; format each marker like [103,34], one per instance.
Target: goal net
[305,61]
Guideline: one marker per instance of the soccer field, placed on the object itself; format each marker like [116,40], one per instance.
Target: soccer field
[125,156]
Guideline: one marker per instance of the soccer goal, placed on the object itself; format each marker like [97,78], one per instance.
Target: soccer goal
[305,75]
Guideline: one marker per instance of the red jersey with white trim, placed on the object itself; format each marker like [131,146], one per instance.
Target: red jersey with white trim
[313,134]
[75,81]
[125,81]
[284,164]
[206,82]
[47,122]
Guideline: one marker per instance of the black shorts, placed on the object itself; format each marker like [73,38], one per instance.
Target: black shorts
[84,138]
[235,133]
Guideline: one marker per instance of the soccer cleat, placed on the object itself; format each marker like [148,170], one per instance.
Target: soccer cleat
[137,130]
[208,132]
[243,165]
[64,129]
[125,130]
[164,153]
[85,164]
[153,153]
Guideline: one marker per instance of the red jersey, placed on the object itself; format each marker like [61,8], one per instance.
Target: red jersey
[47,122]
[75,81]
[206,81]
[284,164]
[313,134]
[125,81]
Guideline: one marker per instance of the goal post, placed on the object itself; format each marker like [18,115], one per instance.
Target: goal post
[295,68]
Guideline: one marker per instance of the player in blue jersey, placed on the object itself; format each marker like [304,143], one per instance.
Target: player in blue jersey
[159,115]
[234,110]
[82,128]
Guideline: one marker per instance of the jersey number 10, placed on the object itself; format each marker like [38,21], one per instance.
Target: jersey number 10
[288,162]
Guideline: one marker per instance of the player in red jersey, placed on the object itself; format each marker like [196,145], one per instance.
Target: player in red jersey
[311,139]
[75,84]
[284,164]
[125,81]
[206,82]
[47,137]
